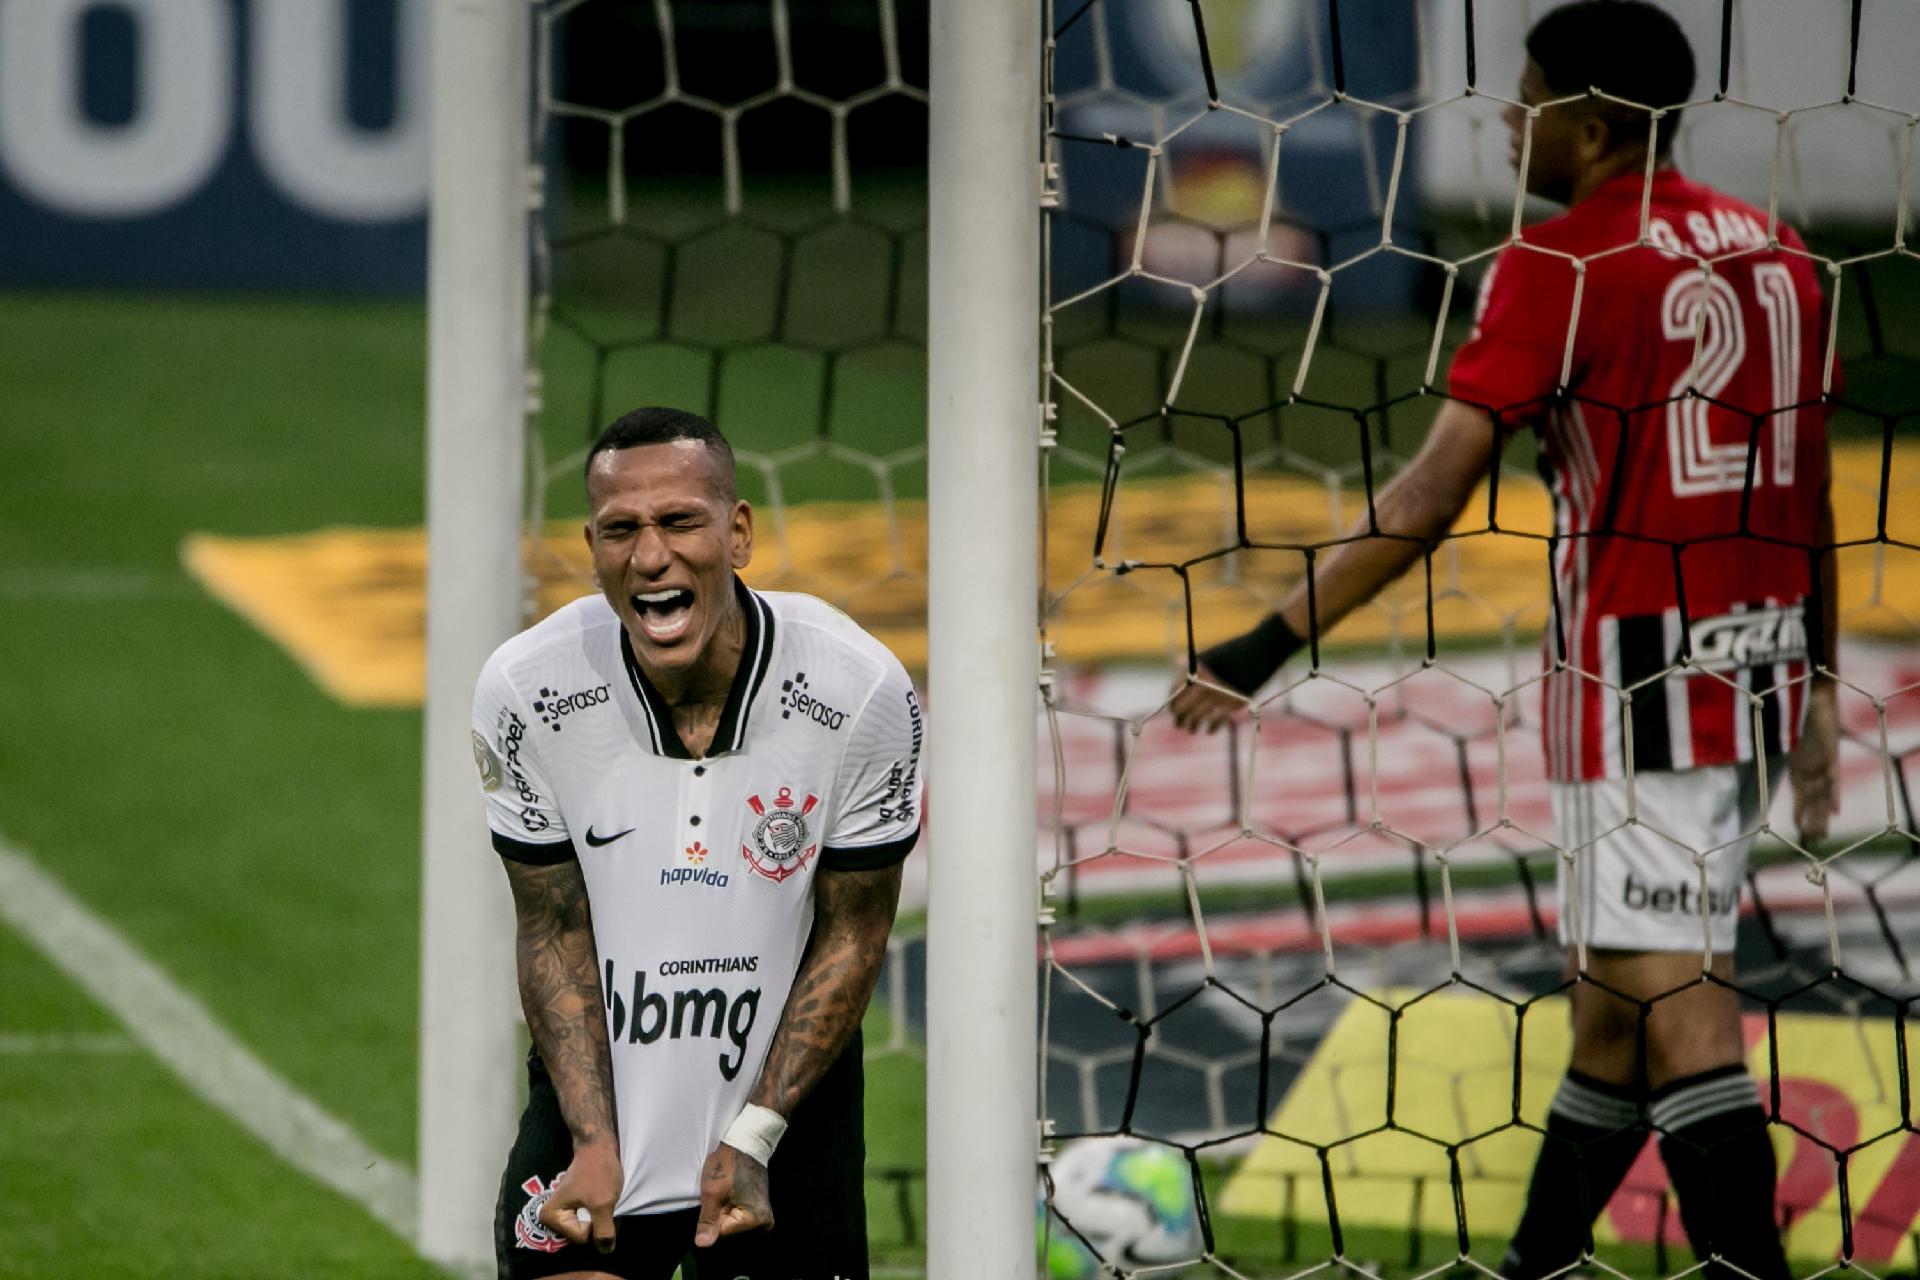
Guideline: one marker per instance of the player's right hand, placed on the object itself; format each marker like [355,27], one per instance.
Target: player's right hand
[592,1182]
[1202,708]
[733,1196]
[1815,764]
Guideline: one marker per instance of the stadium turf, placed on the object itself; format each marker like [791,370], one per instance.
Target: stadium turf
[255,839]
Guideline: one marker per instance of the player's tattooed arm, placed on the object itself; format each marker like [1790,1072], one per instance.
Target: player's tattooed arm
[852,915]
[559,978]
[560,992]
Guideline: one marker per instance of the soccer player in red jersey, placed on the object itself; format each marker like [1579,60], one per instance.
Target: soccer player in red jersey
[1665,341]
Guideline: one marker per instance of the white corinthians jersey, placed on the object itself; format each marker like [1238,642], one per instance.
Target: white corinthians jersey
[700,871]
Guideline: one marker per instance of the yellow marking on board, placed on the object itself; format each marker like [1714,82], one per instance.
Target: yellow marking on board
[349,604]
[1455,1054]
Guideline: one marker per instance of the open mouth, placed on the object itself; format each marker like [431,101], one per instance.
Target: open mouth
[664,615]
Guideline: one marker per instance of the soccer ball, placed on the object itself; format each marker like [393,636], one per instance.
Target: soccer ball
[1132,1200]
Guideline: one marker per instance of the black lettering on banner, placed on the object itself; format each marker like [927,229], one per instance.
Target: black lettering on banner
[644,1017]
[738,1029]
[554,706]
[1682,898]
[794,698]
[513,732]
[693,875]
[699,1001]
[711,964]
[897,804]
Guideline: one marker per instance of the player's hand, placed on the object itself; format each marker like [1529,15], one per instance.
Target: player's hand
[592,1182]
[1202,708]
[733,1196]
[1815,764]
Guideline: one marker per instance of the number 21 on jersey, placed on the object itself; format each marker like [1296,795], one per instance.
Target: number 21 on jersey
[1700,308]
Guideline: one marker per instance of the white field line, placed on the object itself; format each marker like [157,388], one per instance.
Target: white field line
[77,1043]
[81,584]
[191,1043]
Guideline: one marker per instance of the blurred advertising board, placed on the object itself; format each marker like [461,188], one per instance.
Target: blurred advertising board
[214,143]
[1131,78]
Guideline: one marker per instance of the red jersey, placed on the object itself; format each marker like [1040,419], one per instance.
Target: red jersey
[1686,451]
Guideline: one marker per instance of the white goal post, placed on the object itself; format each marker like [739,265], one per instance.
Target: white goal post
[983,512]
[983,421]
[477,288]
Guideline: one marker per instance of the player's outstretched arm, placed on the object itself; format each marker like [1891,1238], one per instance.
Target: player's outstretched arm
[852,915]
[560,995]
[1414,510]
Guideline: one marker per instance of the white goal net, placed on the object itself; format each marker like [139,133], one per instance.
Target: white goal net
[1313,956]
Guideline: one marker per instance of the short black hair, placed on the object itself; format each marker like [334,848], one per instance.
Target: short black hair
[1627,48]
[655,425]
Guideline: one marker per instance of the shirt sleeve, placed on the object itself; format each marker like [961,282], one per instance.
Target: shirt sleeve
[878,817]
[1512,359]
[522,814]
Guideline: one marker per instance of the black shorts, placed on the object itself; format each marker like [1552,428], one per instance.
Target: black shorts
[817,1181]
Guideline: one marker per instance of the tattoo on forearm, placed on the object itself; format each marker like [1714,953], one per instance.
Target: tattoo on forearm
[560,993]
[853,913]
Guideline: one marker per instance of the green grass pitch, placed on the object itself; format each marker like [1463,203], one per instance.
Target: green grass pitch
[256,840]
[179,774]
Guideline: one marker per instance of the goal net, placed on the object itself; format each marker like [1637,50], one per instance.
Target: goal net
[734,222]
[1312,956]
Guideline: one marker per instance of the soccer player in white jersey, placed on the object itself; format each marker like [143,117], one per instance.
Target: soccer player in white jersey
[1686,573]
[702,795]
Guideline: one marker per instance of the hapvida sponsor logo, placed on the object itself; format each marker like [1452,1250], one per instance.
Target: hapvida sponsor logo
[555,707]
[693,875]
[795,700]
[1682,898]
[644,1017]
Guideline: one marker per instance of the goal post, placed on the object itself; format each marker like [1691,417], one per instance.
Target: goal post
[983,657]
[477,289]
[1241,304]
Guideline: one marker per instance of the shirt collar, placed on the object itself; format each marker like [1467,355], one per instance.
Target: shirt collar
[756,656]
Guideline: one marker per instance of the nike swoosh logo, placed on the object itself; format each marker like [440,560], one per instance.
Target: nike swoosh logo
[597,841]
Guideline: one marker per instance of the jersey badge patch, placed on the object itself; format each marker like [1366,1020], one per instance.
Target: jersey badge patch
[528,1231]
[780,846]
[487,762]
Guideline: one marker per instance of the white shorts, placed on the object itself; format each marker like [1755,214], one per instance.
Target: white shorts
[1668,881]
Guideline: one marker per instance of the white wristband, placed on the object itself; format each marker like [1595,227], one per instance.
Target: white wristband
[756,1132]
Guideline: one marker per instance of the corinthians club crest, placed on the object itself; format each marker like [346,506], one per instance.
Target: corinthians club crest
[779,844]
[528,1231]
